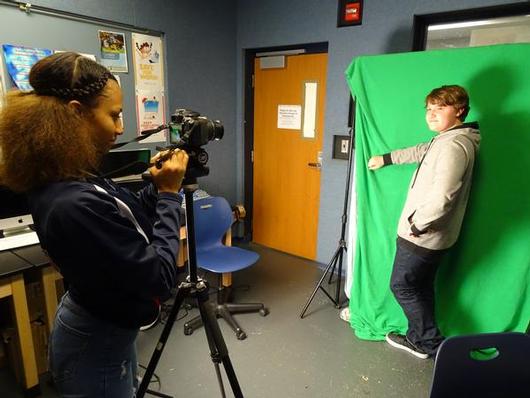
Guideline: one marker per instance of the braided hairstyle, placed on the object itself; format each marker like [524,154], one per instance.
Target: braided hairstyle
[42,138]
[69,76]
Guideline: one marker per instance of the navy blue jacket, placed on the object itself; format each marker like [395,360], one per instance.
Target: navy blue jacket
[115,269]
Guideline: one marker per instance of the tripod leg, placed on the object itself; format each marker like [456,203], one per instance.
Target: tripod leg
[218,349]
[342,245]
[338,304]
[182,292]
[333,268]
[220,379]
[319,284]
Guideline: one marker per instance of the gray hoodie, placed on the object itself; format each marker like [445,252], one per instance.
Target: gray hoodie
[439,189]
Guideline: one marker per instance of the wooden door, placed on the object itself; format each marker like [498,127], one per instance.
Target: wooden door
[286,185]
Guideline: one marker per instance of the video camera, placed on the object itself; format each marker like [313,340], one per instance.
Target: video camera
[190,131]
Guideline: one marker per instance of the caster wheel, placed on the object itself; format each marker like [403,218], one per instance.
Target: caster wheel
[188,330]
[264,312]
[241,335]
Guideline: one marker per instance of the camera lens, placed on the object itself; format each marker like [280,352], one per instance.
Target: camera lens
[216,130]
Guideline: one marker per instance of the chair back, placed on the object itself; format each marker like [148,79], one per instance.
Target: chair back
[483,365]
[213,217]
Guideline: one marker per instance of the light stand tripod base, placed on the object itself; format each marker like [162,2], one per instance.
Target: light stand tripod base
[337,257]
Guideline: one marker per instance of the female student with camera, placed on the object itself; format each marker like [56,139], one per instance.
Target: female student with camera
[116,250]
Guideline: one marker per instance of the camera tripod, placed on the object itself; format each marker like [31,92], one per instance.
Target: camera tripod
[197,288]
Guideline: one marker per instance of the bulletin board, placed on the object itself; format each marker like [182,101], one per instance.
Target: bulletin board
[64,33]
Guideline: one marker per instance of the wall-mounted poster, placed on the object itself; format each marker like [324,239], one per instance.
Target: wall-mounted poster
[19,61]
[148,61]
[150,112]
[113,51]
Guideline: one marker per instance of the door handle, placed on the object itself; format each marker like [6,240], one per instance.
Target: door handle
[315,165]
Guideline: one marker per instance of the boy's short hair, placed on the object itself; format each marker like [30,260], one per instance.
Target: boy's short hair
[451,95]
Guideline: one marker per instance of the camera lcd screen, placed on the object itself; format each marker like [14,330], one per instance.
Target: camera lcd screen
[174,136]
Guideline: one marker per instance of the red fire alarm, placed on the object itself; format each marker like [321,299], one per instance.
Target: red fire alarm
[350,13]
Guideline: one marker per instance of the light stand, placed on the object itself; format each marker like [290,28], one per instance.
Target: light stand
[198,289]
[337,256]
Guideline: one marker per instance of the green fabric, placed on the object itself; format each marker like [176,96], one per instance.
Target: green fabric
[482,286]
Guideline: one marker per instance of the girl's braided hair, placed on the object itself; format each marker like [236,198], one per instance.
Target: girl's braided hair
[69,76]
[42,138]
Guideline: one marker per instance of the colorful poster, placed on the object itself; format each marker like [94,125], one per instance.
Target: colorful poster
[148,61]
[19,61]
[150,112]
[113,51]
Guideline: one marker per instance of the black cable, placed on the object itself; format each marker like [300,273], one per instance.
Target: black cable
[128,165]
[166,308]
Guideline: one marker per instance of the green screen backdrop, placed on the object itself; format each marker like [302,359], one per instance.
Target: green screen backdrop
[483,284]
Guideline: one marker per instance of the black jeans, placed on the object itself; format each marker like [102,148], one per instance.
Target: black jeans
[412,283]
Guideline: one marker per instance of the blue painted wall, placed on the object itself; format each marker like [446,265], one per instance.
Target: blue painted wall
[205,47]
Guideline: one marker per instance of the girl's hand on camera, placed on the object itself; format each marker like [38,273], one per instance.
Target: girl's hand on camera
[168,178]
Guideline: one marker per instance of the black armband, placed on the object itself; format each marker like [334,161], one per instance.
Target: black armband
[387,159]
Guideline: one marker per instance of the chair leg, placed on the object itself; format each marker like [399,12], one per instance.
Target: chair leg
[238,308]
[190,326]
[225,311]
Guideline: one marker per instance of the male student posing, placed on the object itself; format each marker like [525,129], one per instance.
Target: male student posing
[433,212]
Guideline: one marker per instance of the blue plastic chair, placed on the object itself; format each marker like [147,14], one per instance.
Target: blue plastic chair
[213,218]
[484,365]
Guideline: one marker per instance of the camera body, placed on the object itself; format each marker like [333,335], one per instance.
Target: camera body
[190,131]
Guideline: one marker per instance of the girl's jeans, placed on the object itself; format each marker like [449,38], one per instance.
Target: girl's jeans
[91,358]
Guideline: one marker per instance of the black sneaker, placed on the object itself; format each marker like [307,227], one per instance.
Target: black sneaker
[401,342]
